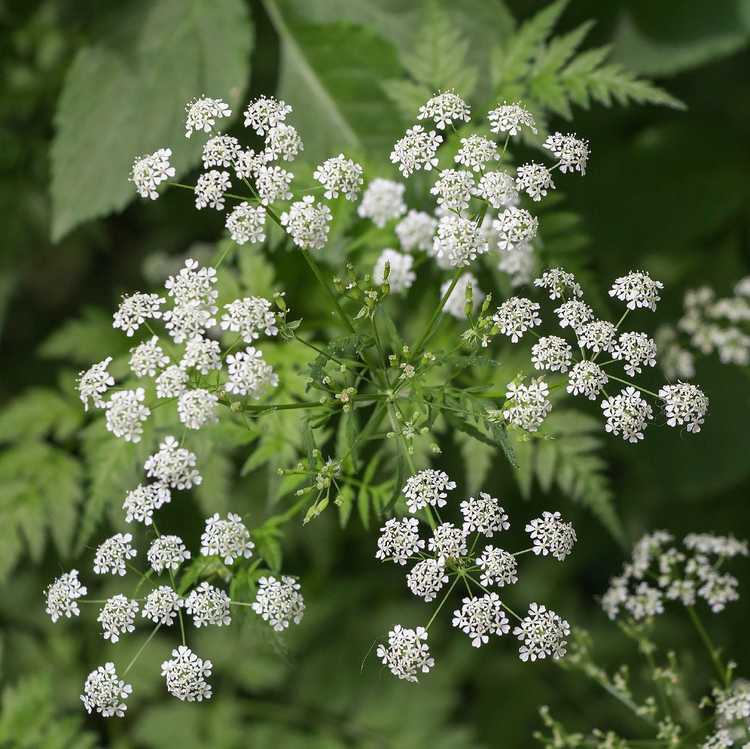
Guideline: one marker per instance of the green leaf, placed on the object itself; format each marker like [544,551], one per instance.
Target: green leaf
[125,96]
[37,413]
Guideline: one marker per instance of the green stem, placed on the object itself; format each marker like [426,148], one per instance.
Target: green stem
[315,268]
[632,384]
[713,652]
[444,599]
[141,649]
[436,314]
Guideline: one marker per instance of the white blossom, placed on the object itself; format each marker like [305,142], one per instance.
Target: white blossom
[535,180]
[272,184]
[251,317]
[646,601]
[527,405]
[723,546]
[279,602]
[189,320]
[134,310]
[125,414]
[448,542]
[185,675]
[510,118]
[197,407]
[62,595]
[476,152]
[400,276]
[249,373]
[203,354]
[515,316]
[558,283]
[586,378]
[598,336]
[105,692]
[416,150]
[428,487]
[210,189]
[685,405]
[574,314]
[171,382]
[307,223]
[248,163]
[551,535]
[266,112]
[518,263]
[208,605]
[454,188]
[627,414]
[552,353]
[247,223]
[718,590]
[117,617]
[173,465]
[167,553]
[147,358]
[340,175]
[283,142]
[227,538]
[571,152]
[456,303]
[542,634]
[480,617]
[637,289]
[637,350]
[382,201]
[416,231]
[426,579]
[162,606]
[407,653]
[399,540]
[150,170]
[221,150]
[514,226]
[193,284]
[94,382]
[141,502]
[202,113]
[111,557]
[498,567]
[498,189]
[444,109]
[459,241]
[483,514]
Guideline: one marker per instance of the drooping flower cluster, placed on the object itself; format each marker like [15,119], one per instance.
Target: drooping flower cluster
[660,570]
[451,556]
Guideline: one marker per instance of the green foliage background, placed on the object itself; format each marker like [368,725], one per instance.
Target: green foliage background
[86,86]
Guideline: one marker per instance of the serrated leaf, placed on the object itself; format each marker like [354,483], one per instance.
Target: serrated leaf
[125,96]
[37,413]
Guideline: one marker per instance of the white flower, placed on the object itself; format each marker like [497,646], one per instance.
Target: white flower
[722,739]
[134,310]
[456,302]
[515,316]
[382,201]
[189,320]
[407,653]
[416,231]
[228,539]
[448,542]
[514,226]
[125,414]
[684,404]
[248,163]
[528,405]
[167,553]
[141,502]
[307,223]
[94,382]
[571,152]
[400,276]
[202,114]
[117,617]
[171,382]
[427,578]
[637,349]
[283,142]
[208,605]
[185,674]
[61,596]
[444,109]
[676,361]
[498,189]
[476,152]
[734,704]
[147,358]
[510,118]
[459,241]
[552,353]
[272,184]
[251,317]
[265,112]
[193,283]
[543,633]
[484,515]
[428,487]
[150,171]
[416,150]
[249,373]
[637,289]
[105,693]
[723,546]
[339,175]
[399,540]
[210,189]
[480,617]
[559,283]
[645,602]
[247,223]
[574,314]
[551,535]
[162,606]
[586,378]
[221,150]
[173,465]
[627,414]
[279,602]
[204,354]
[112,555]
[453,189]
[518,263]
[718,590]
[499,567]
[535,180]
[598,336]
[197,407]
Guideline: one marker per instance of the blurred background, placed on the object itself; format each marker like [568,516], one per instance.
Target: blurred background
[85,86]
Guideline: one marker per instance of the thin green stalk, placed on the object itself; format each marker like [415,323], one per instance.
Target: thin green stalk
[713,652]
[141,649]
[318,273]
[436,314]
[632,384]
[443,600]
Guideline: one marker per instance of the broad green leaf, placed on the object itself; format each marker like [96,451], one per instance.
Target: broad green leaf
[125,95]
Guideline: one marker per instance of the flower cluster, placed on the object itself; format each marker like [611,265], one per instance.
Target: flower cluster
[453,555]
[661,570]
